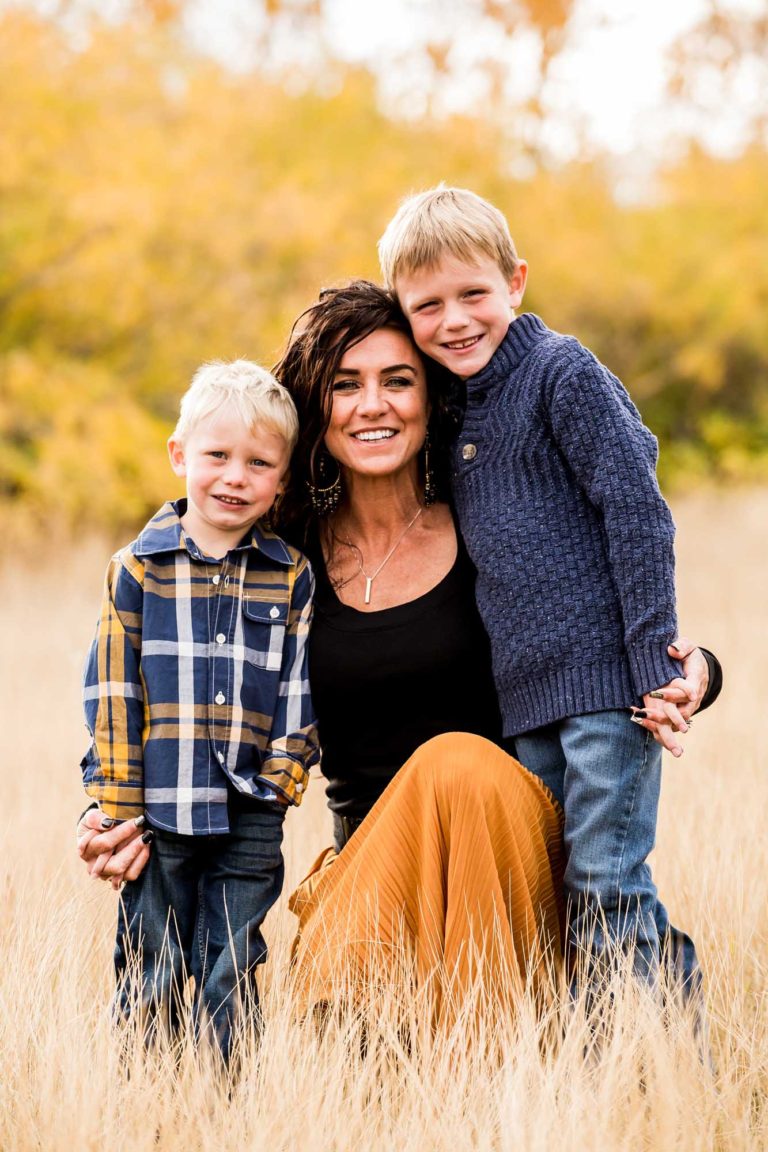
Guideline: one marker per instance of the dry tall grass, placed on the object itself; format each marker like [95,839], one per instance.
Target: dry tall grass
[60,1082]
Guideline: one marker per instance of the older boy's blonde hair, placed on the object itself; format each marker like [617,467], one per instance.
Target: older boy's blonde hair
[255,395]
[453,220]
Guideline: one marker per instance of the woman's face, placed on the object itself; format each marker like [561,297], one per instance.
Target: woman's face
[379,406]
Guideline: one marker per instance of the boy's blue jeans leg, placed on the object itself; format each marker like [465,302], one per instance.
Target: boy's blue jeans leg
[197,910]
[605,771]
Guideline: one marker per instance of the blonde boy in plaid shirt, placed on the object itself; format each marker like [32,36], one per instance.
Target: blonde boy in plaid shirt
[197,699]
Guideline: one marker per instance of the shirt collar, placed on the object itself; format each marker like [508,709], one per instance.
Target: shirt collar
[164,533]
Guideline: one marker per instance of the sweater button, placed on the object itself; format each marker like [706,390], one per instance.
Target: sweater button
[469,451]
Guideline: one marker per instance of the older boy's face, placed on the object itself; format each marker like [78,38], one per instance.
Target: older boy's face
[460,312]
[233,476]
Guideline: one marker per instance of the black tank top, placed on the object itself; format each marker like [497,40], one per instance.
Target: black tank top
[384,682]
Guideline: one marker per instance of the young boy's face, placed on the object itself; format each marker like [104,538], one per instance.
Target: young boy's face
[460,312]
[233,476]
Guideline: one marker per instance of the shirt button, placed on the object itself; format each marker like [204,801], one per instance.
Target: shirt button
[215,579]
[299,787]
[274,613]
[220,698]
[220,638]
[221,757]
[469,451]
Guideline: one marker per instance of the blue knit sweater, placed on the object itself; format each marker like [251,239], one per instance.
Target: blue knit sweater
[557,499]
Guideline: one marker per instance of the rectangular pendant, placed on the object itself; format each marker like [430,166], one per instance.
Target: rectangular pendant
[368,583]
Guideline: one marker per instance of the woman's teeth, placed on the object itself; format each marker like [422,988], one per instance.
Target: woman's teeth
[382,434]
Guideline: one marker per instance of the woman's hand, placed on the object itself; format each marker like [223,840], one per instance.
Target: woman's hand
[113,851]
[668,710]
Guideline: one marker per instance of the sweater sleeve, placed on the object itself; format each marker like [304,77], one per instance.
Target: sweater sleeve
[613,457]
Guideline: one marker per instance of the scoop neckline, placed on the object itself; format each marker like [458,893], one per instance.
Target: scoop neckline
[392,615]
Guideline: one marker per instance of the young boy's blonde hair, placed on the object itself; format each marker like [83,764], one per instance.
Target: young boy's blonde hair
[442,219]
[255,395]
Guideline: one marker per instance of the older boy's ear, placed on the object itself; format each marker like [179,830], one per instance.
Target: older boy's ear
[517,284]
[176,454]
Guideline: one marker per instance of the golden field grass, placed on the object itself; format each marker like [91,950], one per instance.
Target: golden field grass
[61,1084]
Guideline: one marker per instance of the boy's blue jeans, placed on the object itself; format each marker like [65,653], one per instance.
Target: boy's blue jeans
[605,772]
[197,910]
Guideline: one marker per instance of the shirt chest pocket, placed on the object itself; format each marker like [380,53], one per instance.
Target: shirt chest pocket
[264,623]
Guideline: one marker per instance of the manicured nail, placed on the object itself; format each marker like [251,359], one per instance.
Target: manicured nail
[139,821]
[637,719]
[107,822]
[656,695]
[641,712]
[148,836]
[675,645]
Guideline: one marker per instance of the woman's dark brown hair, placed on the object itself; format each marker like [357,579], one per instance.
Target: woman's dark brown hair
[341,318]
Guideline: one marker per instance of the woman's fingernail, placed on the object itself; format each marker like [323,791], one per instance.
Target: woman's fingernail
[641,712]
[637,719]
[656,695]
[148,836]
[676,645]
[107,822]
[139,821]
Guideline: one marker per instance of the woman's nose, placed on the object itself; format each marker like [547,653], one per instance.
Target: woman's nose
[372,399]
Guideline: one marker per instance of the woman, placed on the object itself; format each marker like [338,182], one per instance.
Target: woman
[443,839]
[461,850]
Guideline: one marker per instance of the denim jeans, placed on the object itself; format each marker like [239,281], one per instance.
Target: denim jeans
[605,772]
[197,910]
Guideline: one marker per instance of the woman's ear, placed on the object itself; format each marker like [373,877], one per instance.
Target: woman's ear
[177,458]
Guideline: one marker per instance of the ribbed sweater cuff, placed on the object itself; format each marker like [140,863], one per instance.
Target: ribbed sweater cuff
[652,667]
[559,692]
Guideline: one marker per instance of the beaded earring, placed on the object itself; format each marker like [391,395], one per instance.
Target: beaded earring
[430,489]
[323,496]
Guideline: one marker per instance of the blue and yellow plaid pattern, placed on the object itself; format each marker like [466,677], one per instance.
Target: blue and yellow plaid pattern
[197,677]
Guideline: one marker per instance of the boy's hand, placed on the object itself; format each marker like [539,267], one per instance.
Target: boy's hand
[113,851]
[668,710]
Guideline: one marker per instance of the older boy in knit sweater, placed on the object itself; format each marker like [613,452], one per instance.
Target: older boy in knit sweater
[558,503]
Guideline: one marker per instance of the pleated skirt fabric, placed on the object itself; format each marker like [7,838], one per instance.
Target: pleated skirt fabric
[452,882]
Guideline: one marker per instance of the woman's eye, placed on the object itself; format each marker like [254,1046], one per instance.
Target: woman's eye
[344,385]
[399,382]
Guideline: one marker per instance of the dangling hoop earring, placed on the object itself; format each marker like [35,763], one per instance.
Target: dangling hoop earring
[430,489]
[323,496]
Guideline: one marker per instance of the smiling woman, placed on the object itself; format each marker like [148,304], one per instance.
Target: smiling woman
[438,830]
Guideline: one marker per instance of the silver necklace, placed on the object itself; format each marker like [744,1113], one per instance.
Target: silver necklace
[370,579]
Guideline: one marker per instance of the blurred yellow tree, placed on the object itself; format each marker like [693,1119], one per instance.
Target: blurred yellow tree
[157,210]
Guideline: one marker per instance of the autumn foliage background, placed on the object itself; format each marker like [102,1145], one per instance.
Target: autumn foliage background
[158,209]
[160,206]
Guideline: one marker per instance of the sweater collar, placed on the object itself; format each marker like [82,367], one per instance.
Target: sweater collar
[164,533]
[522,334]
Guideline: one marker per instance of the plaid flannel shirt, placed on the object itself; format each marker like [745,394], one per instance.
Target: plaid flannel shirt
[197,678]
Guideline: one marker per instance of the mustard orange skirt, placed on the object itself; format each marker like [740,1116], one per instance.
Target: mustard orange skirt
[457,868]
